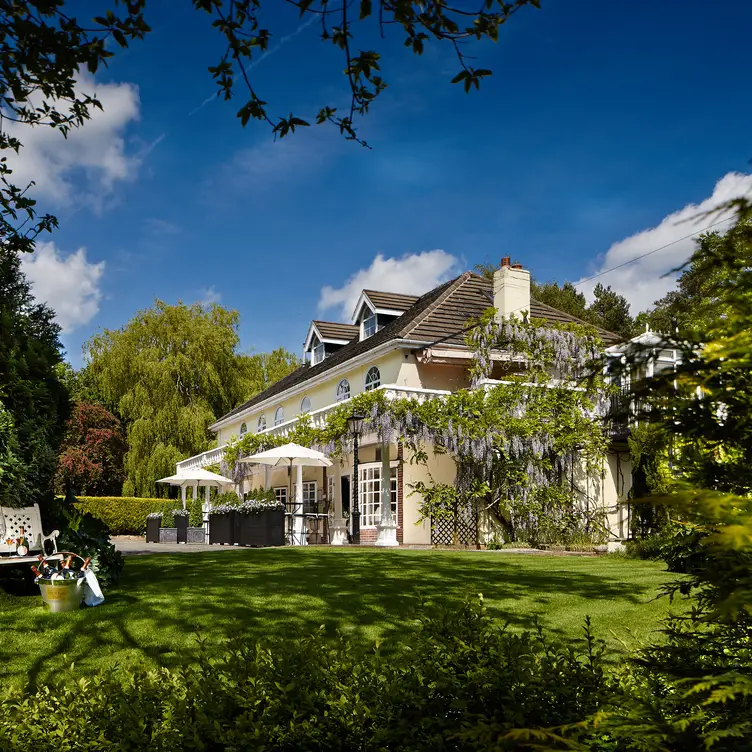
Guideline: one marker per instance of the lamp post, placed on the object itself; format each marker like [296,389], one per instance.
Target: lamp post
[355,421]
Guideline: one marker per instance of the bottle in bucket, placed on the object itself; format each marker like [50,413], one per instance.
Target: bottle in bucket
[22,542]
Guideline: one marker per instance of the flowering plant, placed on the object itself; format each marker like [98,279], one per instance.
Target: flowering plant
[255,506]
[154,516]
[223,509]
[180,513]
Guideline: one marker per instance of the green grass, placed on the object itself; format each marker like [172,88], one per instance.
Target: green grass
[153,615]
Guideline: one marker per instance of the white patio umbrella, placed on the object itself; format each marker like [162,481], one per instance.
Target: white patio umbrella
[292,455]
[195,478]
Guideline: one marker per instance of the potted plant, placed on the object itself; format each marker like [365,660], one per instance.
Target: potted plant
[221,523]
[261,519]
[181,523]
[153,523]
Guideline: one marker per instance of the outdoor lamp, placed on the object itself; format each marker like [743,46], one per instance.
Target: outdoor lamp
[355,421]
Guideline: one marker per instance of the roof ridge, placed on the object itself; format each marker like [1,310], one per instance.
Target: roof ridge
[452,286]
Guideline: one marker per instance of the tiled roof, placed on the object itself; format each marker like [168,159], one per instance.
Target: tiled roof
[438,316]
[393,300]
[335,330]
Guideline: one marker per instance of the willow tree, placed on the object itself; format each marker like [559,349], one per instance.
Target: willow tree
[169,373]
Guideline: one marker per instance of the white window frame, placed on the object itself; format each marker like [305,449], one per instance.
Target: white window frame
[261,424]
[279,416]
[374,383]
[369,493]
[310,496]
[370,318]
[318,353]
[341,394]
[280,494]
[305,405]
[243,429]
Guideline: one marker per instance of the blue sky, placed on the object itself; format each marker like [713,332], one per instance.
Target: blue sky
[601,121]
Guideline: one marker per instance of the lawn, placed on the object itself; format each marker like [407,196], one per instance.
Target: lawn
[162,601]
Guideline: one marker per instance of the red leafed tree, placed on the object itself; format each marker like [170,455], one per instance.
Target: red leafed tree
[91,457]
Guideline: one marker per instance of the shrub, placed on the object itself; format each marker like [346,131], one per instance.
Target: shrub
[125,515]
[460,684]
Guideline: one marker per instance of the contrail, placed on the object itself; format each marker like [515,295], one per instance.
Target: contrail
[283,41]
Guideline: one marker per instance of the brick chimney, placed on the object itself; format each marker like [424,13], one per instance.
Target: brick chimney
[511,285]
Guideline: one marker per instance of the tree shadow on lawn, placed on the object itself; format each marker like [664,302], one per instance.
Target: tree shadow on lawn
[163,601]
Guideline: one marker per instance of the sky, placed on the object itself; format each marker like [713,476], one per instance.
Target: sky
[608,130]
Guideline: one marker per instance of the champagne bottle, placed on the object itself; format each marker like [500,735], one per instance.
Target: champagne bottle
[37,573]
[86,563]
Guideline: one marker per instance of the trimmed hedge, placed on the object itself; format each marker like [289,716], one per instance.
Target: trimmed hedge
[126,515]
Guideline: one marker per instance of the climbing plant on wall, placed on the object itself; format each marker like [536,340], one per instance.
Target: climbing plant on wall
[526,449]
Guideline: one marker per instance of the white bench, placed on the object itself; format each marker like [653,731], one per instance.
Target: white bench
[12,520]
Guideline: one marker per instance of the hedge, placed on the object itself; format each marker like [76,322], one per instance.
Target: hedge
[126,515]
[460,685]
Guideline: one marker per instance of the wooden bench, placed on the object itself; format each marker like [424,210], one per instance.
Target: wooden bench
[11,522]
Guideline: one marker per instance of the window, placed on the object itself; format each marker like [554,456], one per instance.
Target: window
[243,428]
[343,390]
[261,425]
[280,494]
[370,325]
[310,505]
[279,416]
[369,489]
[373,378]
[319,352]
[305,405]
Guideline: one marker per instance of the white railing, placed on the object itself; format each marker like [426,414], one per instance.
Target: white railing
[210,457]
[318,419]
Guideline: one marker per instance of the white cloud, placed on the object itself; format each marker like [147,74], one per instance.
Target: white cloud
[413,274]
[96,150]
[68,284]
[642,282]
[209,295]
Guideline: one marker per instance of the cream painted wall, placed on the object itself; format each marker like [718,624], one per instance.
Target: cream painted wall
[321,396]
[442,469]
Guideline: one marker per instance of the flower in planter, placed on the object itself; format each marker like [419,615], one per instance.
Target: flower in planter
[154,516]
[181,513]
[256,506]
[223,509]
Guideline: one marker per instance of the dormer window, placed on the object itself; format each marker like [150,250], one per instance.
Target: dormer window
[370,325]
[243,429]
[319,353]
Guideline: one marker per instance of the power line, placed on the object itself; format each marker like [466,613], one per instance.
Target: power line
[650,253]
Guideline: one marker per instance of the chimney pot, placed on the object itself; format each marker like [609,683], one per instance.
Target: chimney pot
[506,261]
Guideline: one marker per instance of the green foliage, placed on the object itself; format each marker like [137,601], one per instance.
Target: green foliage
[35,403]
[698,684]
[125,515]
[228,499]
[91,455]
[171,371]
[460,683]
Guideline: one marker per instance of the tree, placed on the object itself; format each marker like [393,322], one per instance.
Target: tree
[43,48]
[35,402]
[610,311]
[694,690]
[91,456]
[564,297]
[171,371]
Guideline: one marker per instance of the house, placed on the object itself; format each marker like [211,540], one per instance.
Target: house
[404,345]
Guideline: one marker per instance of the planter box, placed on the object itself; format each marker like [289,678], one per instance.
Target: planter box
[168,535]
[196,535]
[262,529]
[221,528]
[275,526]
[152,529]
[181,523]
